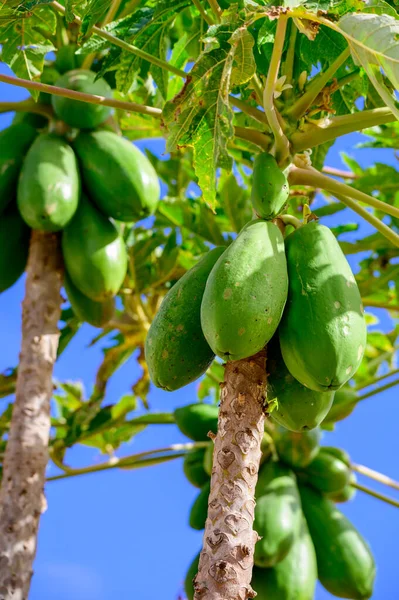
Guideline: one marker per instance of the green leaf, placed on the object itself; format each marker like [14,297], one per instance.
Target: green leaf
[235,201]
[94,10]
[200,115]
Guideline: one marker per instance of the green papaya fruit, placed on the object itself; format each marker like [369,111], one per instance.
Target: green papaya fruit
[106,157]
[176,350]
[34,120]
[14,246]
[323,330]
[193,467]
[345,564]
[277,513]
[245,293]
[191,573]
[199,510]
[295,577]
[297,449]
[327,473]
[66,59]
[346,494]
[90,311]
[196,420]
[14,144]
[49,185]
[208,458]
[297,407]
[270,189]
[94,253]
[81,114]
[343,405]
[338,453]
[50,76]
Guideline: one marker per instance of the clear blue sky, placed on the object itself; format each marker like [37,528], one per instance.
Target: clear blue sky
[125,534]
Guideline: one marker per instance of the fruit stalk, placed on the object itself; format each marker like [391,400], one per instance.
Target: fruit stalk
[21,495]
[225,566]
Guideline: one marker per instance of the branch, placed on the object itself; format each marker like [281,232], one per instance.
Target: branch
[27,106]
[376,380]
[217,11]
[375,494]
[282,149]
[374,304]
[384,479]
[334,127]
[91,99]
[113,9]
[299,108]
[253,112]
[253,135]
[201,10]
[339,173]
[383,388]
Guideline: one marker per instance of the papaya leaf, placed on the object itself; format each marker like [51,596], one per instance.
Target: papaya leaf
[373,39]
[94,10]
[194,217]
[235,201]
[200,115]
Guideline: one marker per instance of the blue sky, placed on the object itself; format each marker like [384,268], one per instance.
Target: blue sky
[125,534]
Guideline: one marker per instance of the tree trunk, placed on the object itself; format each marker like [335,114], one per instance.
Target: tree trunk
[21,495]
[225,566]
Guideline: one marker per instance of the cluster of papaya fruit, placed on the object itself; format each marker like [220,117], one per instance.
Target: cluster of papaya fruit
[84,183]
[297,295]
[304,536]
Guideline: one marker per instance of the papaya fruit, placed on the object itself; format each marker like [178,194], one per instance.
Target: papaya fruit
[338,453]
[208,458]
[297,407]
[106,157]
[94,253]
[14,144]
[193,467]
[245,293]
[81,114]
[270,189]
[49,185]
[196,420]
[176,350]
[323,330]
[327,473]
[191,573]
[344,561]
[90,311]
[343,405]
[66,59]
[277,513]
[293,578]
[50,76]
[14,246]
[297,449]
[346,494]
[199,510]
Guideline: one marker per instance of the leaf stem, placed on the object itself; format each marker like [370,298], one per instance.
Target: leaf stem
[27,106]
[375,494]
[281,142]
[201,10]
[258,88]
[113,9]
[128,47]
[377,390]
[299,108]
[58,91]
[290,220]
[288,66]
[380,477]
[253,135]
[374,304]
[339,173]
[217,11]
[252,111]
[331,128]
[376,380]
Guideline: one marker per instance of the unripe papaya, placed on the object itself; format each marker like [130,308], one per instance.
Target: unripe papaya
[342,455]
[50,76]
[191,573]
[199,510]
[245,293]
[270,189]
[14,246]
[323,330]
[14,144]
[295,577]
[298,408]
[94,313]
[345,564]
[81,114]
[327,473]
[196,420]
[176,350]
[66,59]
[193,467]
[49,185]
[297,449]
[277,513]
[346,494]
[94,253]
[106,157]
[343,405]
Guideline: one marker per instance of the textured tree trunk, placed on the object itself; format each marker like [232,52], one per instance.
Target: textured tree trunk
[21,495]
[225,567]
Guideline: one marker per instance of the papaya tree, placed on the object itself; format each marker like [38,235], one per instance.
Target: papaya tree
[240,283]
